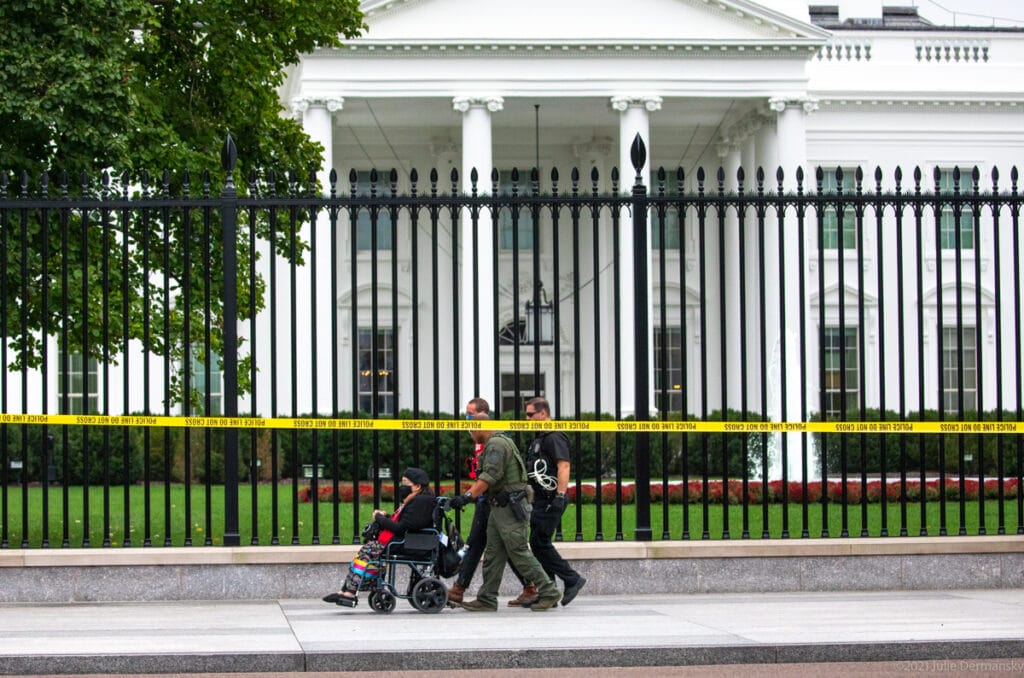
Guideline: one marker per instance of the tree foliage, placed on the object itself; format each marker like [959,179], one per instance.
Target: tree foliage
[147,90]
[155,84]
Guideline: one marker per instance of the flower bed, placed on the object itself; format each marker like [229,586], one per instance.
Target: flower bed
[733,492]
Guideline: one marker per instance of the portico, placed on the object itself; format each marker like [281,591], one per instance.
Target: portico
[423,90]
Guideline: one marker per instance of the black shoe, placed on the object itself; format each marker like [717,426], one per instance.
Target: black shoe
[332,597]
[346,601]
[571,591]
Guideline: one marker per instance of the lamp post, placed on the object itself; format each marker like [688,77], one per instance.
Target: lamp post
[540,319]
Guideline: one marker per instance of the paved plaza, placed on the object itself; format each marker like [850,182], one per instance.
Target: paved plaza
[917,628]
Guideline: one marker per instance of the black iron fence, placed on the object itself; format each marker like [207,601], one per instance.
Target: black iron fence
[187,363]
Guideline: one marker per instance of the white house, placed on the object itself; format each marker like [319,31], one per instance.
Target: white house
[730,83]
[735,84]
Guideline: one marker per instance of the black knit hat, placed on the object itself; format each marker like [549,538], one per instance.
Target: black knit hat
[417,476]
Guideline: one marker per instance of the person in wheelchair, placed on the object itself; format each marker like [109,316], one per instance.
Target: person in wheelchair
[415,512]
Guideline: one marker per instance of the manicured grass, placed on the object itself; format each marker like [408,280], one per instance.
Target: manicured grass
[297,525]
[755,522]
[196,526]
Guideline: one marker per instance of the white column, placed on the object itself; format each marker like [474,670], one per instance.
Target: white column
[766,153]
[476,153]
[749,160]
[318,122]
[317,115]
[791,149]
[791,134]
[634,119]
[731,157]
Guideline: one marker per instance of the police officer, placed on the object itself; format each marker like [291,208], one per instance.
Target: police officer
[502,479]
[548,468]
[476,542]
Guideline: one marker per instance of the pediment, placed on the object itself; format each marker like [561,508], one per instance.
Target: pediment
[950,292]
[851,298]
[365,297]
[586,21]
[674,294]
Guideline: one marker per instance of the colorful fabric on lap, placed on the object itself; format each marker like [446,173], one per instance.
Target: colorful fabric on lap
[365,568]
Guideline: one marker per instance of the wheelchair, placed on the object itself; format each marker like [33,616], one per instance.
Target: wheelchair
[421,553]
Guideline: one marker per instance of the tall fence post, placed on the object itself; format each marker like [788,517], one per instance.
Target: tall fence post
[229,216]
[638,155]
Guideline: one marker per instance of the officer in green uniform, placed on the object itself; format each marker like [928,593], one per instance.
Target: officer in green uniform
[502,479]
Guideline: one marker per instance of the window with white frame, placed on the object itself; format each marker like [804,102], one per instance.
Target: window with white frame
[838,345]
[673,234]
[530,386]
[207,388]
[377,379]
[524,225]
[82,394]
[668,369]
[951,370]
[364,220]
[948,222]
[831,231]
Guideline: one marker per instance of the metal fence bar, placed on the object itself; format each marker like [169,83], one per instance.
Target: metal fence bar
[638,156]
[1015,209]
[96,237]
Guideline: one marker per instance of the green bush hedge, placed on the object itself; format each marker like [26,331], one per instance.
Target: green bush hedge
[929,452]
[442,453]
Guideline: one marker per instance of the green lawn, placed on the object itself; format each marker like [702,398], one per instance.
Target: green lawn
[196,527]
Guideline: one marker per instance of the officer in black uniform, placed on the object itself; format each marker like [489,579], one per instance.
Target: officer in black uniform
[548,468]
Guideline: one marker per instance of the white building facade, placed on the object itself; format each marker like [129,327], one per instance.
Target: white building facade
[446,83]
[457,84]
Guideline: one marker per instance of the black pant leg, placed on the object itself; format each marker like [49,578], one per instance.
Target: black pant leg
[477,541]
[543,524]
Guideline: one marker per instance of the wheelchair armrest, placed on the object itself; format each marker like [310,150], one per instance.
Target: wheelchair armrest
[415,541]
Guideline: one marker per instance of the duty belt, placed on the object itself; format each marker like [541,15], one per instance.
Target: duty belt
[503,498]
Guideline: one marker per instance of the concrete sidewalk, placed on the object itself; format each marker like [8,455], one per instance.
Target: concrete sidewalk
[647,630]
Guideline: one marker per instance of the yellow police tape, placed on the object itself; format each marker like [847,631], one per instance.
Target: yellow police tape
[328,424]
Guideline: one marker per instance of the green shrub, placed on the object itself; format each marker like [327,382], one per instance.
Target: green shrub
[42,449]
[928,452]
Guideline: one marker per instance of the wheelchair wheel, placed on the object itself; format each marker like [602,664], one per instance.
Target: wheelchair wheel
[382,601]
[429,595]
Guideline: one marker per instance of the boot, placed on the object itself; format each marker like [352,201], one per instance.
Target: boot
[477,606]
[545,603]
[529,594]
[455,593]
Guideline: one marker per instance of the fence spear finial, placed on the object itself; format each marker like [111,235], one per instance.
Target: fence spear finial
[638,156]
[228,159]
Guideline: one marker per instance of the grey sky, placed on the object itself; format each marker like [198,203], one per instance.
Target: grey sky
[971,12]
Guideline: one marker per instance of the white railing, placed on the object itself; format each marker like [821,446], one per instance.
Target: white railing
[952,50]
[846,49]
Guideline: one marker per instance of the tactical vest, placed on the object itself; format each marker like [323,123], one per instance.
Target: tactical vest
[513,476]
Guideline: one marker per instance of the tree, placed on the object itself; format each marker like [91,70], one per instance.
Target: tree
[144,88]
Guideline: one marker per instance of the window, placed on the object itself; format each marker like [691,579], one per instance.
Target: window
[830,233]
[528,388]
[379,378]
[673,236]
[525,224]
[214,388]
[364,239]
[951,372]
[948,220]
[668,377]
[82,389]
[836,401]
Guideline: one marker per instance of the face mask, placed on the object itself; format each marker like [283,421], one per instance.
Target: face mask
[404,491]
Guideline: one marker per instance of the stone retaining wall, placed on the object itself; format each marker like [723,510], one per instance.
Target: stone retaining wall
[281,572]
